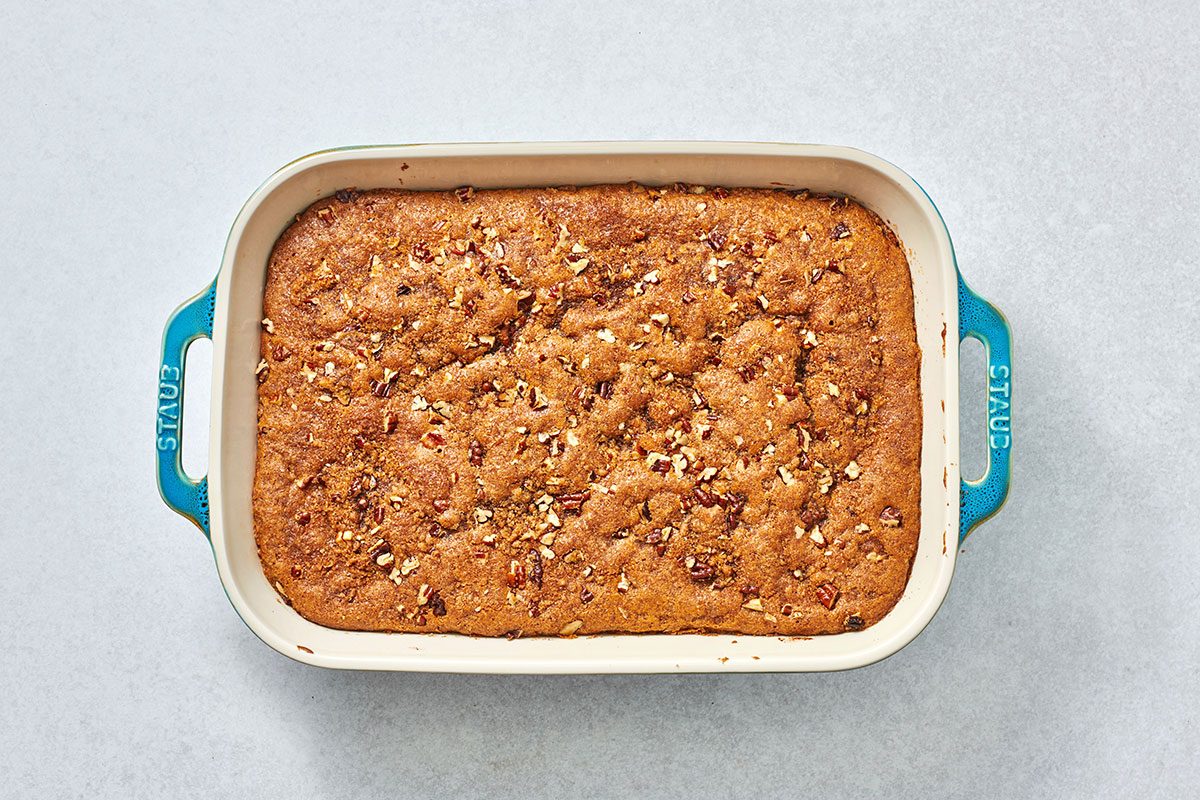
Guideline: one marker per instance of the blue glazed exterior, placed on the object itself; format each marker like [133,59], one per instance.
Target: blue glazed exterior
[191,321]
[979,319]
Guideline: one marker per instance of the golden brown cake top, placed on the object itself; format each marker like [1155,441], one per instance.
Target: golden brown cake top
[613,408]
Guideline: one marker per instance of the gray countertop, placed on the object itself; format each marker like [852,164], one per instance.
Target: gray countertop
[1061,146]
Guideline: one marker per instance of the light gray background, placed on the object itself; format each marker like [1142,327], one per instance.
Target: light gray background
[1060,143]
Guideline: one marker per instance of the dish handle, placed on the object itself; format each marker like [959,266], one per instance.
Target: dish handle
[979,319]
[191,321]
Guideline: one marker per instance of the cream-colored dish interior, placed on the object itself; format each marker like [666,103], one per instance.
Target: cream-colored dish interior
[876,184]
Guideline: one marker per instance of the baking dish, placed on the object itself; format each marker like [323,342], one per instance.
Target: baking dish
[229,310]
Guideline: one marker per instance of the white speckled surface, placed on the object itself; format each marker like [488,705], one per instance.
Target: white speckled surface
[1059,143]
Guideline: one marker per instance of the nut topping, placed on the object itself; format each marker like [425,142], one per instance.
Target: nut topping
[698,570]
[421,252]
[516,574]
[383,388]
[535,569]
[488,345]
[828,594]
[573,503]
[381,554]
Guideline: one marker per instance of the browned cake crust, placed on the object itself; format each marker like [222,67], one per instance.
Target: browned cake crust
[571,411]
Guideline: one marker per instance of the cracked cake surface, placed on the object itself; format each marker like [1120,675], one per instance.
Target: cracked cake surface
[585,410]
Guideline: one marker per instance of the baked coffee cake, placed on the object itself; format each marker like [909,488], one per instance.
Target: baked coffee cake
[586,410]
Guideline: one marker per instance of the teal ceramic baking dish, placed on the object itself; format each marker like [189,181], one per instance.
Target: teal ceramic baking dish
[229,309]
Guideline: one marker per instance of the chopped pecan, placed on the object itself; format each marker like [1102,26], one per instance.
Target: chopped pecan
[732,502]
[828,594]
[812,515]
[748,372]
[516,574]
[872,546]
[421,252]
[699,571]
[507,277]
[435,602]
[525,302]
[475,454]
[572,503]
[383,388]
[535,568]
[381,554]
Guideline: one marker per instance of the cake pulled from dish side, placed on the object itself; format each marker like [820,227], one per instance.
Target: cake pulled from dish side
[586,410]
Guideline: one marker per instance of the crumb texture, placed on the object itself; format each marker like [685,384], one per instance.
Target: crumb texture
[574,411]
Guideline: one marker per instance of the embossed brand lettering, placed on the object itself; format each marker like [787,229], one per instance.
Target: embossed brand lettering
[168,407]
[999,392]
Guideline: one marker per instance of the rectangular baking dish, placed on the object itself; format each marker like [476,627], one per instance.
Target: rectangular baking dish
[229,311]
